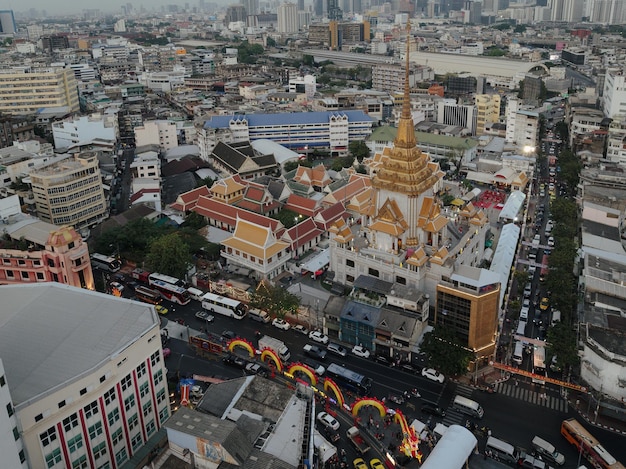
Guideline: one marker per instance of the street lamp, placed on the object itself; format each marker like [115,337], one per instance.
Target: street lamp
[295,243]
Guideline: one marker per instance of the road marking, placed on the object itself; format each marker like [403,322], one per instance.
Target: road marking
[551,402]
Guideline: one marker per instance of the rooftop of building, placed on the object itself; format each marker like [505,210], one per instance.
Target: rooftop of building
[51,334]
[387,133]
[293,118]
[610,339]
[31,229]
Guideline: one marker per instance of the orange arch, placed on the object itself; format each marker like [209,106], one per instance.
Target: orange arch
[268,352]
[368,401]
[330,384]
[410,441]
[304,369]
[241,343]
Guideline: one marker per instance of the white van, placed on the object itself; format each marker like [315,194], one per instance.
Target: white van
[501,450]
[521,328]
[523,314]
[548,451]
[532,463]
[258,315]
[195,294]
[468,406]
[518,354]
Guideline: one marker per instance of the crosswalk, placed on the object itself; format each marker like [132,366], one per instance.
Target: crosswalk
[453,416]
[517,392]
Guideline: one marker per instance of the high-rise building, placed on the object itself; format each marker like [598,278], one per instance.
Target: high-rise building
[287,18]
[334,12]
[251,6]
[235,13]
[84,373]
[487,111]
[7,22]
[26,90]
[613,100]
[70,192]
[449,112]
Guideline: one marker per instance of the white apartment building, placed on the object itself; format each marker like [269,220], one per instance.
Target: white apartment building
[146,165]
[161,133]
[11,443]
[84,129]
[391,77]
[85,375]
[25,90]
[83,72]
[18,160]
[70,192]
[287,18]
[522,126]
[306,84]
[451,113]
[583,122]
[164,81]
[613,101]
[615,151]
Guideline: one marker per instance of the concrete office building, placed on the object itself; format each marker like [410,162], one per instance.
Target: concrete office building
[613,101]
[11,443]
[70,192]
[161,133]
[287,18]
[7,22]
[85,129]
[26,90]
[85,374]
[487,111]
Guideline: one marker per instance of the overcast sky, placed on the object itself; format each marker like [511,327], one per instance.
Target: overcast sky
[57,7]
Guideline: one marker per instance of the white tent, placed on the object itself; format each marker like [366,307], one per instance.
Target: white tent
[512,206]
[453,450]
[325,450]
[504,255]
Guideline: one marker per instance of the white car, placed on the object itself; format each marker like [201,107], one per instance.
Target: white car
[551,241]
[317,336]
[360,351]
[433,374]
[281,324]
[301,329]
[328,420]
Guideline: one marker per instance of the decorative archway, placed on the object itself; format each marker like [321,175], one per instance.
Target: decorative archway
[304,369]
[269,353]
[410,441]
[330,384]
[369,401]
[239,342]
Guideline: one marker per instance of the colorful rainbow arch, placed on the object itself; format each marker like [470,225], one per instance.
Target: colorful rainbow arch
[304,369]
[269,353]
[239,342]
[368,401]
[330,384]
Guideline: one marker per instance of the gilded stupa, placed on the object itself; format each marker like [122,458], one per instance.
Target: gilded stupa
[406,213]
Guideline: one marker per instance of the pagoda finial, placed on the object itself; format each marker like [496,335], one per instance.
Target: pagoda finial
[406,128]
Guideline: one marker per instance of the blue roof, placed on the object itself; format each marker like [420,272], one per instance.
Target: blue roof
[293,118]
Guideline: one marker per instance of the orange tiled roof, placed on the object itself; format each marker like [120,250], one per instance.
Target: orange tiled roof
[302,205]
[187,200]
[255,240]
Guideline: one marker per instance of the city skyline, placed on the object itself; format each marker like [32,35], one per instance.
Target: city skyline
[67,7]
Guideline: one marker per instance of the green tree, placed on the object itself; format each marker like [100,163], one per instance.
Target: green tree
[277,301]
[522,278]
[169,255]
[308,60]
[445,352]
[270,42]
[207,181]
[561,340]
[195,221]
[359,150]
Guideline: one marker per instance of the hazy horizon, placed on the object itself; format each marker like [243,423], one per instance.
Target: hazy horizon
[70,7]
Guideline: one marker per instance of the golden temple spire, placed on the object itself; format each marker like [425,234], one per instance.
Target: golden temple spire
[406,129]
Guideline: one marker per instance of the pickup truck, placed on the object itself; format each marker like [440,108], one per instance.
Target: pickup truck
[354,435]
[314,351]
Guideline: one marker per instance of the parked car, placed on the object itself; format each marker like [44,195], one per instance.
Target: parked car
[359,463]
[376,464]
[301,329]
[551,241]
[433,374]
[545,303]
[409,368]
[315,366]
[314,351]
[204,316]
[327,420]
[281,324]
[230,335]
[318,336]
[337,349]
[255,368]
[360,351]
[234,360]
[383,359]
[161,309]
[433,409]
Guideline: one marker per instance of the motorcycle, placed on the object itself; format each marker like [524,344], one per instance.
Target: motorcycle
[414,393]
[489,389]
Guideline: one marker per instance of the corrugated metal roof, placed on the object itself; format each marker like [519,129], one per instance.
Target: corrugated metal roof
[50,333]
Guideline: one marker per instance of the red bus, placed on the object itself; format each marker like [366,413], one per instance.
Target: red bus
[544,270]
[588,446]
[170,292]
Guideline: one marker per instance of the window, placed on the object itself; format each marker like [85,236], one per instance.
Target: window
[38,417]
[147,408]
[51,459]
[100,450]
[164,414]
[48,436]
[113,416]
[40,276]
[136,441]
[158,377]
[132,422]
[161,396]
[144,389]
[129,402]
[155,358]
[62,404]
[126,382]
[117,436]
[75,443]
[109,396]
[103,378]
[141,370]
[23,456]
[80,463]
[349,262]
[2,381]
[121,456]
[10,274]
[83,391]
[91,409]
[16,433]
[70,422]
[373,272]
[151,428]
[95,430]
[400,280]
